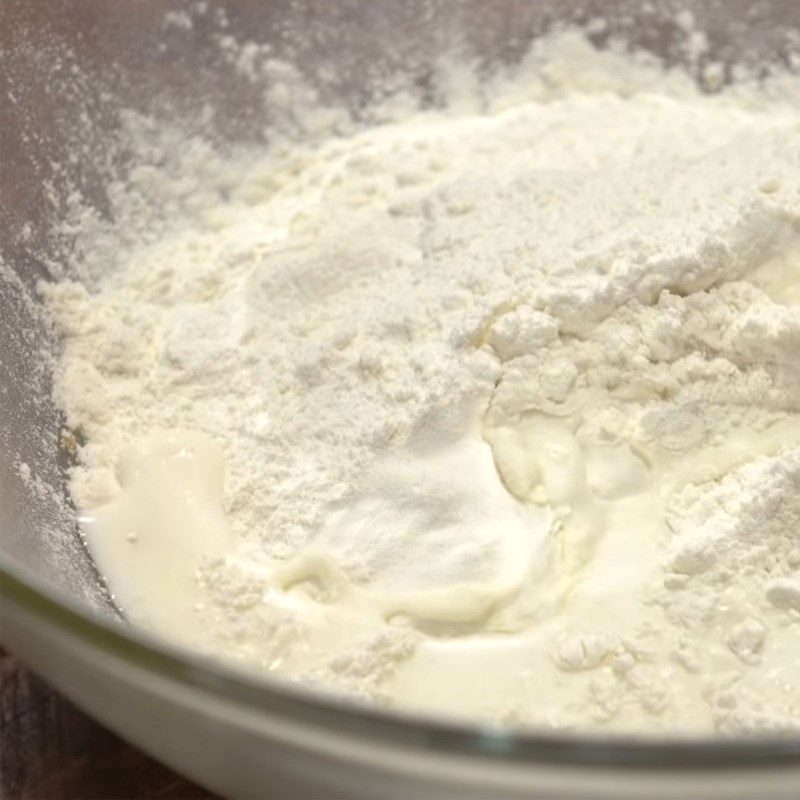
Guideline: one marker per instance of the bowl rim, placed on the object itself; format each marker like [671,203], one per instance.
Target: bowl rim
[498,744]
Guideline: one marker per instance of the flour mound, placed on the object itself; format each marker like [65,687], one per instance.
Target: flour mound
[604,267]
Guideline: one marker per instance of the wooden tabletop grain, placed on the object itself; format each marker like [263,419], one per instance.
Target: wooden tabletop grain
[49,750]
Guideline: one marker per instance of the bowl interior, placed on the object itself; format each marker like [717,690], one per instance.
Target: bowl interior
[79,71]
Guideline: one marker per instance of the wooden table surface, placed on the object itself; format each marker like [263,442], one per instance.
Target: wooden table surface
[51,751]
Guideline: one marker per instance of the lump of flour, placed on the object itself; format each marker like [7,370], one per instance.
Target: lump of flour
[507,389]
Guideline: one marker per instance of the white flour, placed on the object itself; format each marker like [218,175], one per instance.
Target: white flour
[597,274]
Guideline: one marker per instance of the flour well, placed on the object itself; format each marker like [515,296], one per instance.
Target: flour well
[493,410]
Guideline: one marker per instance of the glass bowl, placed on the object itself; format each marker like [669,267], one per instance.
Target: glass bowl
[69,69]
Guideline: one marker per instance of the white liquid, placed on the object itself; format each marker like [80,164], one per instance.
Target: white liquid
[581,551]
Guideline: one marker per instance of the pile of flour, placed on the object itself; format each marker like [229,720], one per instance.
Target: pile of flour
[513,384]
